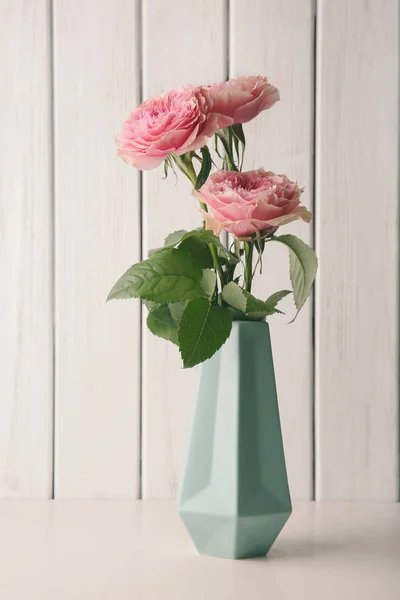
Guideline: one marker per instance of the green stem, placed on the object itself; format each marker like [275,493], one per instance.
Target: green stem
[228,160]
[185,165]
[190,172]
[248,272]
[237,248]
[231,161]
[217,264]
[214,253]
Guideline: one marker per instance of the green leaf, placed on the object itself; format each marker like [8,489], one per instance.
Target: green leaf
[216,147]
[167,165]
[203,329]
[173,239]
[163,320]
[205,167]
[205,235]
[246,303]
[162,328]
[176,309]
[237,148]
[277,297]
[153,251]
[227,257]
[167,276]
[199,251]
[200,235]
[209,237]
[223,135]
[259,308]
[239,138]
[208,282]
[150,305]
[234,296]
[303,267]
[163,314]
[239,133]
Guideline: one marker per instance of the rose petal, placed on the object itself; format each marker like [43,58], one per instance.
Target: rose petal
[251,203]
[179,121]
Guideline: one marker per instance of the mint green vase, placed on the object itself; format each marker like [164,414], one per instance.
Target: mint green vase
[234,497]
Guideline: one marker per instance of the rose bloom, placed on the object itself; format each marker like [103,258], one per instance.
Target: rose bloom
[243,98]
[179,121]
[252,203]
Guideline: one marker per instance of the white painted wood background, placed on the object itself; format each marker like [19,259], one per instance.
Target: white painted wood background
[92,405]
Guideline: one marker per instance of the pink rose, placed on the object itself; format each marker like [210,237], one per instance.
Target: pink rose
[243,98]
[250,203]
[179,121]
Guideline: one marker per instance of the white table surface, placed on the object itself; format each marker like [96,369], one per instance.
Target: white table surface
[121,550]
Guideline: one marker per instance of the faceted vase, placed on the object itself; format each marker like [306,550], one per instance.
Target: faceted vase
[234,497]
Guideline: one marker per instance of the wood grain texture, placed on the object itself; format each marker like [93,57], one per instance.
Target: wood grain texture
[25,252]
[180,46]
[275,38]
[97,239]
[357,229]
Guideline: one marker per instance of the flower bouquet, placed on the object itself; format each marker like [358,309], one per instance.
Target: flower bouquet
[198,292]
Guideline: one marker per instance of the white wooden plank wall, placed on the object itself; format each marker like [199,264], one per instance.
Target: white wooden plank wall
[277,38]
[74,217]
[357,242]
[26,364]
[173,56]
[97,237]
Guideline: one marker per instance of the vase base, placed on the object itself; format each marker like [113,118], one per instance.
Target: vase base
[235,537]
